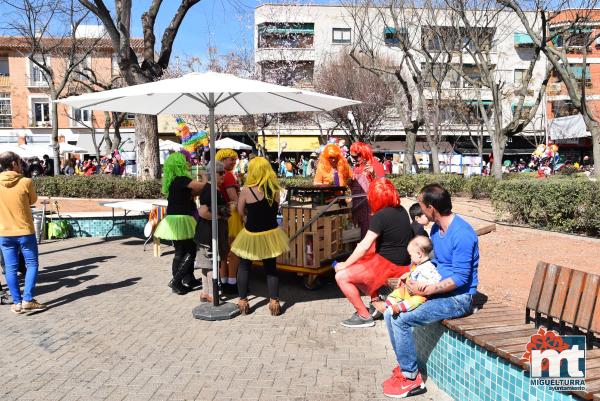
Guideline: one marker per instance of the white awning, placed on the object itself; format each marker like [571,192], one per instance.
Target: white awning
[568,127]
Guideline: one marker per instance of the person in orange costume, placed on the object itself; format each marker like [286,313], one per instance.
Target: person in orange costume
[333,168]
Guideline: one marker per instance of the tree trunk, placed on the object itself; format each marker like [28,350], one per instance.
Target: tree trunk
[409,154]
[146,137]
[117,139]
[106,138]
[55,144]
[596,149]
[480,151]
[498,145]
[435,157]
[96,146]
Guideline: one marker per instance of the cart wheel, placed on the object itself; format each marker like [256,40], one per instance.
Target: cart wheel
[311,282]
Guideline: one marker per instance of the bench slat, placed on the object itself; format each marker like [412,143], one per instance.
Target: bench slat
[588,299]
[592,390]
[545,302]
[495,330]
[560,293]
[573,297]
[536,285]
[509,341]
[482,339]
[489,324]
[595,326]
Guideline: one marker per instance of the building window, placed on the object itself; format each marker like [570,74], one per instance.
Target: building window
[293,35]
[40,113]
[393,37]
[288,73]
[519,77]
[36,75]
[5,111]
[85,64]
[83,116]
[4,71]
[581,74]
[563,108]
[341,35]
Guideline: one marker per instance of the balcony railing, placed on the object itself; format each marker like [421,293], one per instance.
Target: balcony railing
[4,81]
[38,84]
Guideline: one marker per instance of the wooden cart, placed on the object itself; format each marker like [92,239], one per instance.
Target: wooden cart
[318,222]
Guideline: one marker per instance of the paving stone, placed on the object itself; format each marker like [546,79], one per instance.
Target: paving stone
[115,331]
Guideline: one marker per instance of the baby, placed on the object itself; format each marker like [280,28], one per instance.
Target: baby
[422,270]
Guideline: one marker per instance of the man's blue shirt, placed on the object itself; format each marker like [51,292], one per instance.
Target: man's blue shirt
[457,255]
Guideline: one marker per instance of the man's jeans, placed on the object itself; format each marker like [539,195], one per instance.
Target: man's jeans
[10,247]
[400,327]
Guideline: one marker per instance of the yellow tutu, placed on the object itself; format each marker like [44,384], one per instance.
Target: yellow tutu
[235,223]
[261,245]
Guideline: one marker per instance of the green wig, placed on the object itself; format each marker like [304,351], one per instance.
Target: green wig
[175,166]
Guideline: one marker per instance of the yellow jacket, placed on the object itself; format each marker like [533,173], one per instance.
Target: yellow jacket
[17,194]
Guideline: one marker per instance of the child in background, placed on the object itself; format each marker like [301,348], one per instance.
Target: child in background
[422,271]
[419,220]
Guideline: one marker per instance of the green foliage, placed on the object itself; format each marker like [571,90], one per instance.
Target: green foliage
[567,205]
[98,186]
[480,187]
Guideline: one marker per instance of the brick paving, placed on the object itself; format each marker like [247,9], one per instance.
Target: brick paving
[114,331]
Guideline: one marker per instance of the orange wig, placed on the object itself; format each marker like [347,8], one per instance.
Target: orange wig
[382,193]
[324,174]
[363,150]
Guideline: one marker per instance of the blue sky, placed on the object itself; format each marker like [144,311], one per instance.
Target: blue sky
[226,24]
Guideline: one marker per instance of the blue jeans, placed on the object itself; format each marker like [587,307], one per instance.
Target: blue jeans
[11,246]
[400,327]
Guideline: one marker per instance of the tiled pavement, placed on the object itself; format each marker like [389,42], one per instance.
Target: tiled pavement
[115,331]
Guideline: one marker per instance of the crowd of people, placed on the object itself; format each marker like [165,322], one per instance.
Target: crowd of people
[436,272]
[108,165]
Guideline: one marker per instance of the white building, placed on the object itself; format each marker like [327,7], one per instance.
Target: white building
[301,38]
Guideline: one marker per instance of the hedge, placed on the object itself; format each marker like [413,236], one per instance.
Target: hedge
[566,205]
[98,186]
[563,203]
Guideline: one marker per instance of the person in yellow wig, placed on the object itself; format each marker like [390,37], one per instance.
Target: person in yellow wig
[261,238]
[333,168]
[230,190]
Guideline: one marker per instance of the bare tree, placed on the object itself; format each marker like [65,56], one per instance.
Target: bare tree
[341,76]
[559,34]
[470,31]
[88,79]
[135,71]
[49,28]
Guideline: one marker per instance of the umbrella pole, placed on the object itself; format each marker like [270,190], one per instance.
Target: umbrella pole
[213,201]
[217,310]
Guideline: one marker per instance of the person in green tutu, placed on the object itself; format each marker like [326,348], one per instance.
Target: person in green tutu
[179,225]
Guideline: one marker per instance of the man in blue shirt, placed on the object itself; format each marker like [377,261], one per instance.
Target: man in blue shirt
[456,251]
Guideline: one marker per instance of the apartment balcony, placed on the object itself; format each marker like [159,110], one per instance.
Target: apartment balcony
[39,124]
[37,84]
[285,54]
[4,81]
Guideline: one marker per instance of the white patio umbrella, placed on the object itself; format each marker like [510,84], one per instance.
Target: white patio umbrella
[228,143]
[165,144]
[41,150]
[211,94]
[23,151]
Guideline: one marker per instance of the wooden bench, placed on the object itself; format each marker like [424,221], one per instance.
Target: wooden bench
[561,299]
